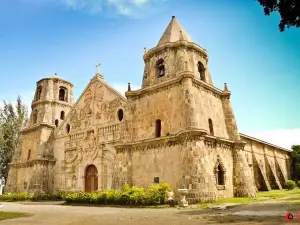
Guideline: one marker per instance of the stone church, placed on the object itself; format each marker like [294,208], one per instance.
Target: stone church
[178,128]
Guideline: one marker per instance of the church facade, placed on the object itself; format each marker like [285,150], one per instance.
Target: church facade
[177,128]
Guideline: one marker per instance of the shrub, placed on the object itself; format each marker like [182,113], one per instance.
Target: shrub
[298,184]
[156,194]
[290,184]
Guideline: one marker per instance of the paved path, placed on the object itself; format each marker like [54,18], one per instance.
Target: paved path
[46,214]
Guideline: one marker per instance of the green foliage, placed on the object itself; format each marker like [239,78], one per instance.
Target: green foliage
[295,156]
[156,194]
[289,11]
[290,184]
[298,184]
[30,197]
[12,118]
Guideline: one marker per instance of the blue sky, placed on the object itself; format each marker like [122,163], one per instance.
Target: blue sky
[260,64]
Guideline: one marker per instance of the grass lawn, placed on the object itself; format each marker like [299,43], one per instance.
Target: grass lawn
[260,197]
[12,215]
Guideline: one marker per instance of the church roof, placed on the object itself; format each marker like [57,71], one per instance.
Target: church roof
[173,33]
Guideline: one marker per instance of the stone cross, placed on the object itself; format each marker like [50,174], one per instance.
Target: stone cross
[98,67]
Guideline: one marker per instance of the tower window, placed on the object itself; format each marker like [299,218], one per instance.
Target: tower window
[39,93]
[201,71]
[29,154]
[120,114]
[62,115]
[220,176]
[34,116]
[68,128]
[56,123]
[211,127]
[63,94]
[158,128]
[160,68]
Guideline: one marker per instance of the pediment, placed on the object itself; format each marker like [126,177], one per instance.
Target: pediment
[98,104]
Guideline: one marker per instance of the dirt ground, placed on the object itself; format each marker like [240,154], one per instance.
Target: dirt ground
[271,212]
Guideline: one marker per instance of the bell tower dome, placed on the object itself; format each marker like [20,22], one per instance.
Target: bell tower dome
[175,52]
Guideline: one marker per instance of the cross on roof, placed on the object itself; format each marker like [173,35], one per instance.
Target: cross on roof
[98,67]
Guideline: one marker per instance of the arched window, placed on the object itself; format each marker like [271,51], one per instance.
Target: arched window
[62,115]
[34,116]
[211,127]
[68,128]
[29,154]
[120,114]
[56,123]
[201,71]
[160,68]
[158,128]
[63,94]
[39,93]
[221,180]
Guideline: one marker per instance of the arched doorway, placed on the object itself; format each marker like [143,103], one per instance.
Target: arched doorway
[91,179]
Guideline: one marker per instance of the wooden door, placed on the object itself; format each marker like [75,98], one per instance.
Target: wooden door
[91,179]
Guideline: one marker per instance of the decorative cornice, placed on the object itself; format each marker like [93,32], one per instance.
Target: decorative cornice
[36,127]
[179,139]
[55,79]
[172,45]
[30,163]
[158,87]
[162,141]
[52,102]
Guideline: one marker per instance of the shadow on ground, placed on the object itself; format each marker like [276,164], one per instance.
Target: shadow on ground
[260,212]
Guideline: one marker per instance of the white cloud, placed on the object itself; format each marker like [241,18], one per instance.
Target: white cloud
[122,87]
[121,7]
[284,137]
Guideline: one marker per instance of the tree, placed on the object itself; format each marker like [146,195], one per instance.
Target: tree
[12,118]
[295,155]
[289,11]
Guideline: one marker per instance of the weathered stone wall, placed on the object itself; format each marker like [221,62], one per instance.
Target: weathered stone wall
[271,166]
[165,104]
[208,105]
[188,163]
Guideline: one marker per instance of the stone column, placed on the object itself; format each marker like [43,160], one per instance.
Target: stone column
[242,176]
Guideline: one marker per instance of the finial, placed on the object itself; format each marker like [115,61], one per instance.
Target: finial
[173,17]
[98,67]
[225,87]
[145,50]
[129,88]
[55,74]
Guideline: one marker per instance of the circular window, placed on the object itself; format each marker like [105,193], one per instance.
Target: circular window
[120,114]
[68,128]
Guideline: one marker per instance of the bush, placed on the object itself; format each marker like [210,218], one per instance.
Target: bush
[290,184]
[298,184]
[156,194]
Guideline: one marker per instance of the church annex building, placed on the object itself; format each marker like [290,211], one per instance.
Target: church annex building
[177,128]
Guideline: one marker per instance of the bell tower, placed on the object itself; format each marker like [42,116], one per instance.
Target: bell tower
[52,101]
[175,52]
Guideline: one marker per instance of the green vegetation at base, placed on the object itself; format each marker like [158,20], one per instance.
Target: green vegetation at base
[290,185]
[135,196]
[12,215]
[260,197]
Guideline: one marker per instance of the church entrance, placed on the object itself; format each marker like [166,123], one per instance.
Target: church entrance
[91,179]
